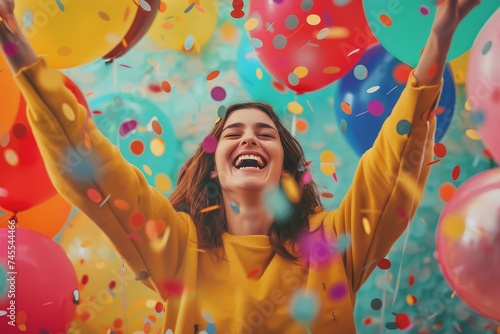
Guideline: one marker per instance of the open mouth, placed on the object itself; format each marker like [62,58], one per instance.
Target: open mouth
[247,161]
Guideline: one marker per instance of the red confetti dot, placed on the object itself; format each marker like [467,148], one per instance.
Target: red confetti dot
[326,195]
[173,289]
[446,191]
[94,195]
[403,321]
[97,112]
[165,85]
[157,128]
[487,154]
[159,307]
[212,75]
[162,7]
[136,219]
[411,280]
[440,150]
[85,316]
[367,321]
[112,285]
[278,86]
[384,264]
[154,87]
[401,73]
[85,279]
[19,131]
[117,323]
[253,273]
[237,14]
[455,174]
[137,147]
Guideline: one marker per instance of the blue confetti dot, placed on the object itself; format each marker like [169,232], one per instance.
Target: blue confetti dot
[486,48]
[60,5]
[189,42]
[211,329]
[391,326]
[235,208]
[477,117]
[27,19]
[304,306]
[403,127]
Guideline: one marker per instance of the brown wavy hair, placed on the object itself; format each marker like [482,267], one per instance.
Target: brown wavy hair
[197,190]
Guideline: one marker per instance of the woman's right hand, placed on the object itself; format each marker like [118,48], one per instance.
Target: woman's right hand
[6,8]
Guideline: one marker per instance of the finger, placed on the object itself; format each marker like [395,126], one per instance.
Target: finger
[465,6]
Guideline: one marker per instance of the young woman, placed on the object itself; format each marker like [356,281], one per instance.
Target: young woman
[241,268]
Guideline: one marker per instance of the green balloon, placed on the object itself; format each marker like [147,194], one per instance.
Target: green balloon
[403,26]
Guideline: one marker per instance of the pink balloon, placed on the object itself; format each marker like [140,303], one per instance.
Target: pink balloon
[42,287]
[468,242]
[483,83]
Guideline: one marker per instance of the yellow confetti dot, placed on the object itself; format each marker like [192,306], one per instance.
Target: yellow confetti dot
[331,70]
[301,71]
[473,134]
[147,170]
[258,73]
[49,79]
[467,105]
[453,226]
[228,31]
[11,157]
[251,24]
[338,32]
[313,19]
[163,182]
[295,108]
[327,168]
[366,226]
[327,156]
[290,187]
[411,299]
[68,112]
[157,147]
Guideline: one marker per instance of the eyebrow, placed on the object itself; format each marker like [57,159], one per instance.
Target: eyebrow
[256,125]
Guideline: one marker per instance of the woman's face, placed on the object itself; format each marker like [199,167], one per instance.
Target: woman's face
[249,155]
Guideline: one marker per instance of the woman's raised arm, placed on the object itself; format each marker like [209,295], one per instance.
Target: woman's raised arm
[91,173]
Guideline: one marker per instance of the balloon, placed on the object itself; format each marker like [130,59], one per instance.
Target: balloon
[263,87]
[307,45]
[109,298]
[141,24]
[468,242]
[141,131]
[46,218]
[483,84]
[459,68]
[368,93]
[184,25]
[9,95]
[22,165]
[43,287]
[76,32]
[395,26]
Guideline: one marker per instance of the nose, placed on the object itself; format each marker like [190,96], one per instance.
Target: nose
[248,139]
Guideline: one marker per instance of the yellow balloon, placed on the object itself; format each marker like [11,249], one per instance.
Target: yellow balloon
[74,32]
[184,25]
[110,297]
[459,68]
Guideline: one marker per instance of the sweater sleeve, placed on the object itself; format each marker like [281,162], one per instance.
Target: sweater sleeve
[388,183]
[92,174]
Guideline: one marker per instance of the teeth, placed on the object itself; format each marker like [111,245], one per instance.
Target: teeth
[249,156]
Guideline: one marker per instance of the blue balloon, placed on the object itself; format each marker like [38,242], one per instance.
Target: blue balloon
[141,131]
[367,94]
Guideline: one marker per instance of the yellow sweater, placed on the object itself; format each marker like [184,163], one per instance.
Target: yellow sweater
[251,290]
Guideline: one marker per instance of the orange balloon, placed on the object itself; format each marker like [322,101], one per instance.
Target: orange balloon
[47,217]
[10,96]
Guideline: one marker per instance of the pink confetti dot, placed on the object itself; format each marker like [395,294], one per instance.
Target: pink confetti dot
[210,144]
[218,93]
[94,195]
[10,49]
[375,108]
[338,291]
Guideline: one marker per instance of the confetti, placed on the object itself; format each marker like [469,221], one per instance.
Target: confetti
[209,208]
[366,226]
[453,226]
[212,75]
[440,150]
[235,208]
[455,174]
[403,321]
[384,264]
[446,191]
[210,144]
[376,304]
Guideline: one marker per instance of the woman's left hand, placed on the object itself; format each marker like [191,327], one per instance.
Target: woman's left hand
[450,13]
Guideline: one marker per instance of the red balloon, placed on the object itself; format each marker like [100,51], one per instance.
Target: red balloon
[141,24]
[39,293]
[24,181]
[308,44]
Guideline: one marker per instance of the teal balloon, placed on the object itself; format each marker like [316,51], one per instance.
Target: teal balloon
[132,121]
[263,87]
[403,27]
